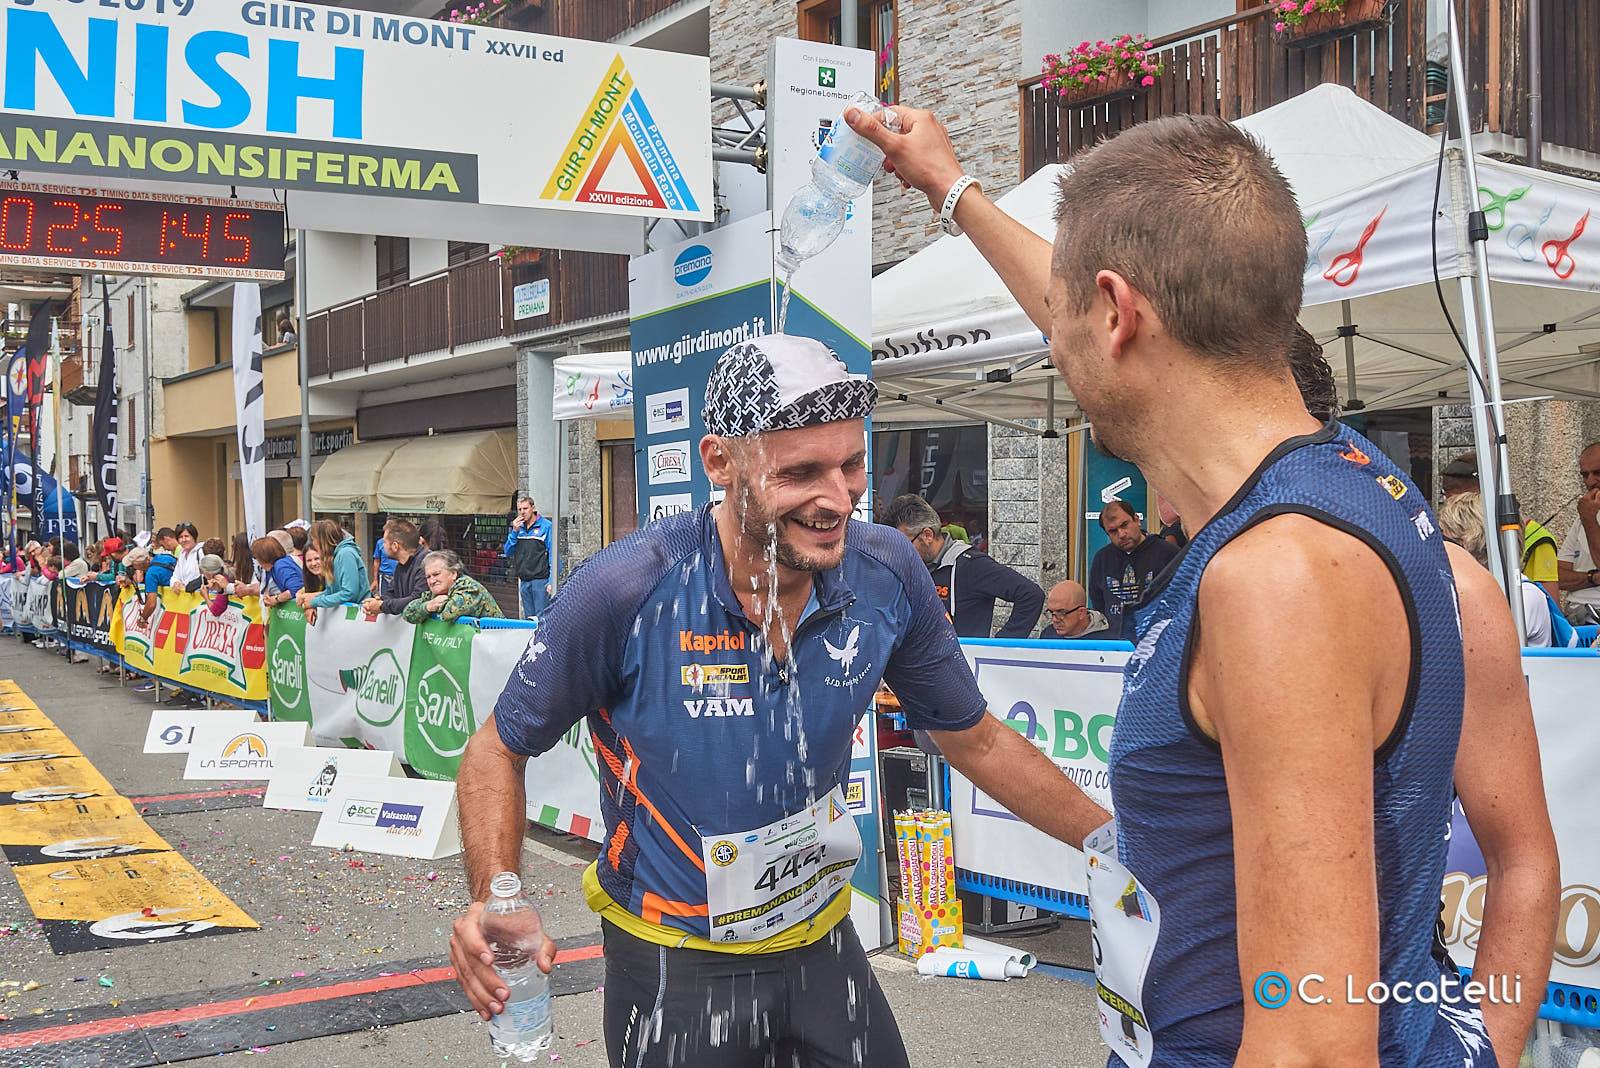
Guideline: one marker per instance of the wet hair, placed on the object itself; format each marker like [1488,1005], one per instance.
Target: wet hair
[1192,211]
[1313,375]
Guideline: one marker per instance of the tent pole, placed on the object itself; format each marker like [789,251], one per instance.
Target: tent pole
[301,345]
[1352,400]
[1500,504]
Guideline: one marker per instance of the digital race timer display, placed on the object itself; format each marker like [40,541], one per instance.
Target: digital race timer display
[78,229]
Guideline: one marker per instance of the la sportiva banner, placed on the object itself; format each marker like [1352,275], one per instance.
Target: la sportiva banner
[83,612]
[183,640]
[420,691]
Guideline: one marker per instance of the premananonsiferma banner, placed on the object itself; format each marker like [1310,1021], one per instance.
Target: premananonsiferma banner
[183,641]
[421,691]
[330,100]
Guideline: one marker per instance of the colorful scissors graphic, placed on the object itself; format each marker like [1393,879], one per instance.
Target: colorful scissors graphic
[1346,266]
[1557,256]
[1524,239]
[1316,250]
[1495,205]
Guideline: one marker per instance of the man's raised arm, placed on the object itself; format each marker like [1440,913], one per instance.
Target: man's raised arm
[922,158]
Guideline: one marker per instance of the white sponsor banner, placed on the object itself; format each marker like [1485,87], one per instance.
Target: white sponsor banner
[398,817]
[172,730]
[593,385]
[304,776]
[531,299]
[662,505]
[325,100]
[356,677]
[667,412]
[668,462]
[1562,689]
[1027,686]
[219,751]
[249,399]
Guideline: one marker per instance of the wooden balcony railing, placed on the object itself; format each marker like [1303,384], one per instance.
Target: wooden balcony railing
[465,304]
[593,20]
[1237,66]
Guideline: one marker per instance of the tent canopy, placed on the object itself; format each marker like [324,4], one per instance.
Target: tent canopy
[472,473]
[950,342]
[347,481]
[593,385]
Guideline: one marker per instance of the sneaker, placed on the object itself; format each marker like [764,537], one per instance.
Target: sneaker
[143,687]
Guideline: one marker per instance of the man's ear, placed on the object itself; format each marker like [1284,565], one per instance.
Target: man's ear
[716,456]
[1123,308]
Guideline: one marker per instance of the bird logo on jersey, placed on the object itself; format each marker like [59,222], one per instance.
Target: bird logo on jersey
[845,656]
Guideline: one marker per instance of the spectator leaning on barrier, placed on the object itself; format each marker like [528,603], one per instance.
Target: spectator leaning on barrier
[1578,553]
[342,566]
[163,558]
[311,573]
[531,550]
[1124,569]
[215,585]
[968,580]
[281,578]
[1070,614]
[403,544]
[76,567]
[1461,522]
[454,593]
[112,554]
[188,551]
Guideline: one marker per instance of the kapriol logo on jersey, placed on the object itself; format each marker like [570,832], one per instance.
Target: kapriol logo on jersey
[444,716]
[380,688]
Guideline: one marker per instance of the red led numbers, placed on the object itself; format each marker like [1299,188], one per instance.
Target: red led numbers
[242,252]
[154,236]
[16,224]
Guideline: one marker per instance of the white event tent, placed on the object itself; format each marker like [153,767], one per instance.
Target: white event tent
[947,334]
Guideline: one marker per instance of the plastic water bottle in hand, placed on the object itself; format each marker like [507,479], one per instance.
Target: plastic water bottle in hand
[844,168]
[522,1030]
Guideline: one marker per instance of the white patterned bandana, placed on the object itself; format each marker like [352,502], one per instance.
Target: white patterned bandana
[782,382]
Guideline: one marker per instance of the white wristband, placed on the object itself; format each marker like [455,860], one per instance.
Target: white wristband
[947,213]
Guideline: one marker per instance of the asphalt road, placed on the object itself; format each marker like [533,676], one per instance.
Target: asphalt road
[326,915]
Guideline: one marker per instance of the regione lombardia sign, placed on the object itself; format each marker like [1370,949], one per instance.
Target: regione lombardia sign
[327,100]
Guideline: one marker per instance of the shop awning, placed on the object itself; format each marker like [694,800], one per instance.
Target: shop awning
[347,481]
[472,473]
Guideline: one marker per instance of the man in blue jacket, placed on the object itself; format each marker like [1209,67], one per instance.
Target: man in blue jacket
[530,550]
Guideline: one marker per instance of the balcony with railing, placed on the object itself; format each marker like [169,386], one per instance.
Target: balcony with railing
[1238,65]
[469,304]
[593,20]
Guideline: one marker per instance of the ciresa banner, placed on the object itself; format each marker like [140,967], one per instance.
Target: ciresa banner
[301,96]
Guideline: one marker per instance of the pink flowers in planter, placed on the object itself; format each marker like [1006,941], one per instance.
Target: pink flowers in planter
[478,13]
[1295,12]
[1104,65]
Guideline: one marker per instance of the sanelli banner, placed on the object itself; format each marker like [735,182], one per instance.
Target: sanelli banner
[329,100]
[420,691]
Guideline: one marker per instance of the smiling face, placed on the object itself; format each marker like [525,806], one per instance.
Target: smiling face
[439,577]
[185,540]
[794,489]
[313,560]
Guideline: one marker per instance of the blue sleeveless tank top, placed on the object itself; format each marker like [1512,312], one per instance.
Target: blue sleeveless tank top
[1169,788]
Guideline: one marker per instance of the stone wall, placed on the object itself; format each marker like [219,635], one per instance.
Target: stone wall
[957,58]
[1544,438]
[1029,506]
[582,526]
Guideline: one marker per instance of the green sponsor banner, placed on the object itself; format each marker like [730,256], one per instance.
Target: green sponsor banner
[440,701]
[287,695]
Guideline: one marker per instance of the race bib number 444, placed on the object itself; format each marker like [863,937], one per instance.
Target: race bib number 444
[761,882]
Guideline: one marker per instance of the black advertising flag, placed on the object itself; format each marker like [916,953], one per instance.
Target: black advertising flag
[104,429]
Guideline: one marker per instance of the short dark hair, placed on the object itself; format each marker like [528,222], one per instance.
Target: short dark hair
[909,511]
[267,550]
[298,536]
[1192,211]
[1319,390]
[69,551]
[164,533]
[193,531]
[1116,504]
[434,533]
[404,533]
